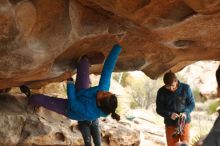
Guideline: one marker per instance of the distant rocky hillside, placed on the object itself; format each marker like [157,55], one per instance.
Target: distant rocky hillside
[201,76]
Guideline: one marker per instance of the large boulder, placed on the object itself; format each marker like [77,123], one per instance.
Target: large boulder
[40,38]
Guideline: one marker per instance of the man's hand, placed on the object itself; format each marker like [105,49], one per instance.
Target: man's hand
[174,116]
[183,115]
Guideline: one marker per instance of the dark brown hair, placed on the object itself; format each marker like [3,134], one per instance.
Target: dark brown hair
[109,105]
[115,116]
[169,77]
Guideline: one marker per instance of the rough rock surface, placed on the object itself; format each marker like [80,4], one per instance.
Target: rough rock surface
[40,38]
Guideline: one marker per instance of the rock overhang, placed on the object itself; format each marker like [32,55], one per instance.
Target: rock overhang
[39,39]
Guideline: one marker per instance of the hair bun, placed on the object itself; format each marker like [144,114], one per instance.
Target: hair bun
[115,116]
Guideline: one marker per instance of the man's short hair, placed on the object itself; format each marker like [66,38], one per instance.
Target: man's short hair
[169,77]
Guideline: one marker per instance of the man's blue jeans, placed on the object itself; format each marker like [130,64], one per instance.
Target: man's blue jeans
[90,129]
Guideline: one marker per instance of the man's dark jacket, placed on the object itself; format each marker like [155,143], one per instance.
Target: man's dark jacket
[180,101]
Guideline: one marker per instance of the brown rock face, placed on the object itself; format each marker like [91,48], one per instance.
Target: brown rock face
[40,38]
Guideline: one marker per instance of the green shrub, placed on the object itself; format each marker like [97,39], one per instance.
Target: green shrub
[197,139]
[213,105]
[201,126]
[134,104]
[197,95]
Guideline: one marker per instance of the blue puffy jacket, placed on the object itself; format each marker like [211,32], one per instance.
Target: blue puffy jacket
[82,104]
[180,101]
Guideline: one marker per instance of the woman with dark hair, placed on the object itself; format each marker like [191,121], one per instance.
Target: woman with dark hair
[84,104]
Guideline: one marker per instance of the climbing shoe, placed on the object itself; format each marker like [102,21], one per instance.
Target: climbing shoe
[24,89]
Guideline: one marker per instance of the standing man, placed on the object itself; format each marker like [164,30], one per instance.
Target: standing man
[175,102]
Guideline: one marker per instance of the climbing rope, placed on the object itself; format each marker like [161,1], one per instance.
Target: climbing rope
[180,126]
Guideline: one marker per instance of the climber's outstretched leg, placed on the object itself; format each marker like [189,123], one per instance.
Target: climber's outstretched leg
[57,105]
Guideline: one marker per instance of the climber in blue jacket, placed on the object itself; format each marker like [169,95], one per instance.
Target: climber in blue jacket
[94,102]
[83,103]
